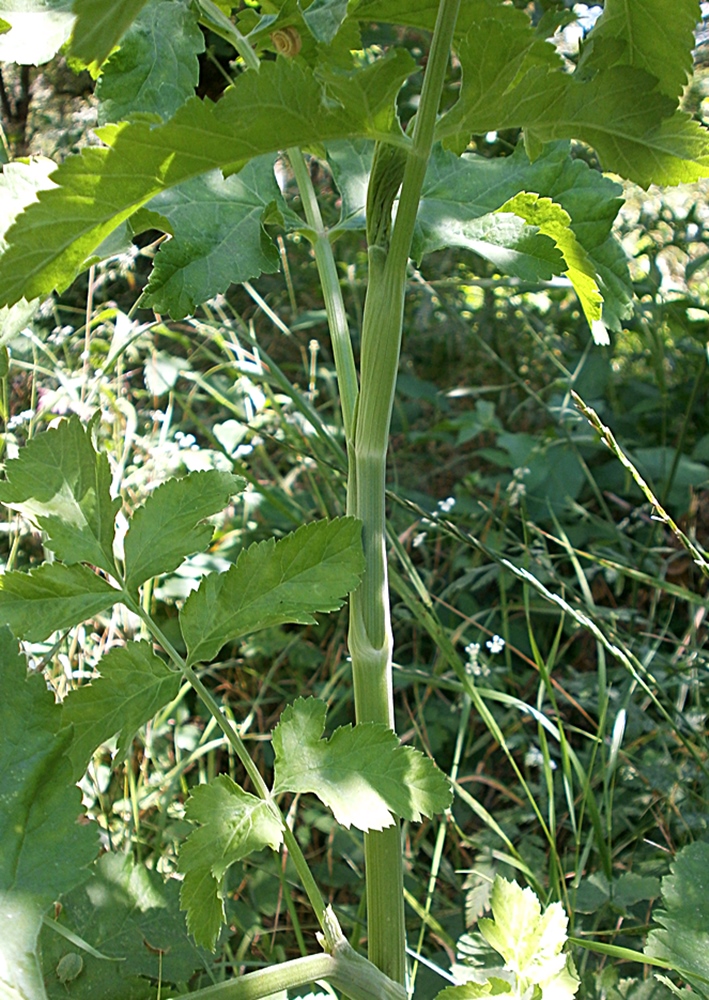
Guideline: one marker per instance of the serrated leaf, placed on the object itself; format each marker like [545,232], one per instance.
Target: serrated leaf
[168,527]
[460,189]
[274,582]
[155,69]
[43,848]
[100,25]
[351,164]
[530,941]
[652,41]
[131,914]
[363,773]
[683,935]
[50,598]
[38,29]
[234,825]
[218,236]
[553,221]
[62,484]
[204,906]
[134,684]
[52,239]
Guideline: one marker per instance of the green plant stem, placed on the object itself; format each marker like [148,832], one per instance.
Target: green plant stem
[332,293]
[301,865]
[370,636]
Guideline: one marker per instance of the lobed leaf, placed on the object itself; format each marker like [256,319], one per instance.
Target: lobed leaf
[51,598]
[169,526]
[101,188]
[100,25]
[274,582]
[62,485]
[134,684]
[156,68]
[234,825]
[363,774]
[218,236]
[651,40]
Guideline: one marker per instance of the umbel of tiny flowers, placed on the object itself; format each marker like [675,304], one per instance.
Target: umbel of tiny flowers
[495,645]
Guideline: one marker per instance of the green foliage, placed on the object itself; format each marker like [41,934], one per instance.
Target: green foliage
[100,25]
[134,685]
[274,582]
[361,773]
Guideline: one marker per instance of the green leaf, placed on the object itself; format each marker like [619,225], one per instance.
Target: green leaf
[324,18]
[43,848]
[234,825]
[651,40]
[351,163]
[51,598]
[168,527]
[363,774]
[100,25]
[460,189]
[63,486]
[473,991]
[218,236]
[274,582]
[102,187]
[129,913]
[200,898]
[134,684]
[156,68]
[19,185]
[554,222]
[38,29]
[683,935]
[530,941]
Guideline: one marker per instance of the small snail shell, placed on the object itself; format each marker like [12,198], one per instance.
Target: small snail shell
[287,41]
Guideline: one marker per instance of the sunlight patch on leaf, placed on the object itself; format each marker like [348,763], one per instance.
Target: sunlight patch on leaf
[37,30]
[362,773]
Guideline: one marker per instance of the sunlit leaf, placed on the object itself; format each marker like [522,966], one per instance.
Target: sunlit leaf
[134,684]
[50,598]
[62,484]
[234,824]
[38,29]
[274,582]
[169,526]
[102,187]
[155,69]
[362,773]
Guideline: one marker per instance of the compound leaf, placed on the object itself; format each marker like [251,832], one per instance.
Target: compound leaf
[52,597]
[273,582]
[234,825]
[156,68]
[43,849]
[218,236]
[134,684]
[363,774]
[169,526]
[101,188]
[531,942]
[100,25]
[62,484]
